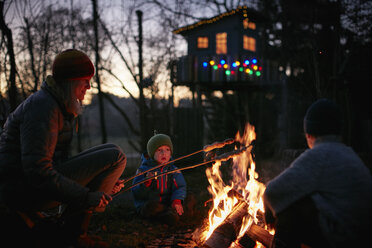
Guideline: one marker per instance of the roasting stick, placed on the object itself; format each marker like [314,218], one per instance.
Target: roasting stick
[221,158]
[206,148]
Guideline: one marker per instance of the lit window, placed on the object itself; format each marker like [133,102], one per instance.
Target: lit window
[248,24]
[252,25]
[249,43]
[221,43]
[202,42]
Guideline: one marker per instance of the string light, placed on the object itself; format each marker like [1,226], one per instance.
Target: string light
[211,20]
[253,70]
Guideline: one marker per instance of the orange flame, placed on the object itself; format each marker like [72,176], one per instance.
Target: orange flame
[248,187]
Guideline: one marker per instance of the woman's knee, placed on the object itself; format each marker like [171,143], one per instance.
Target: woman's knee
[116,153]
[121,157]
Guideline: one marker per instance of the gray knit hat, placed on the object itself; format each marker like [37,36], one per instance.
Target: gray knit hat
[323,117]
[156,141]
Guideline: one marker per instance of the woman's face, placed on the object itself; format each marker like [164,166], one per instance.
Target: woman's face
[162,154]
[81,86]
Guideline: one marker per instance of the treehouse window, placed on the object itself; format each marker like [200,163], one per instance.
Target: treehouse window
[248,24]
[202,42]
[221,43]
[249,43]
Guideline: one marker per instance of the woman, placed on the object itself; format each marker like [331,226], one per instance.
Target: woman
[35,170]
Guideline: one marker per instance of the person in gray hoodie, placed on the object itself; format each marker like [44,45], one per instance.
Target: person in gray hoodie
[324,198]
[36,172]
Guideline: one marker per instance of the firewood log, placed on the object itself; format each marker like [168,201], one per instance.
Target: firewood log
[259,234]
[226,233]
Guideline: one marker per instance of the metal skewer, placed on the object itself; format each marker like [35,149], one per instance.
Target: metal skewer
[220,158]
[206,148]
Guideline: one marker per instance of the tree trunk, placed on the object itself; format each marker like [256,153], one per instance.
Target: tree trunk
[30,47]
[100,96]
[12,91]
[140,84]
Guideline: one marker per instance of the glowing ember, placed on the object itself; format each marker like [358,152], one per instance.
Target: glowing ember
[243,181]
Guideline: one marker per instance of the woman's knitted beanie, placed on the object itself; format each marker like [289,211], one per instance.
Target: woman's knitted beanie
[72,64]
[323,117]
[156,141]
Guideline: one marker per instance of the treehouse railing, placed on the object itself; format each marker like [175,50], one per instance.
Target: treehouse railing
[224,69]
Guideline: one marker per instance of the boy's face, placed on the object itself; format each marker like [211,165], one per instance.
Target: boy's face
[162,154]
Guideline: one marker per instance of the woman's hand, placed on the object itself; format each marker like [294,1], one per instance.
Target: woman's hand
[97,200]
[117,187]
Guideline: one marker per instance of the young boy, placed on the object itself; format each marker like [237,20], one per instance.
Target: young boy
[162,197]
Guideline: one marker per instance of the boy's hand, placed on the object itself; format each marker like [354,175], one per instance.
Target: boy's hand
[178,207]
[150,174]
[117,187]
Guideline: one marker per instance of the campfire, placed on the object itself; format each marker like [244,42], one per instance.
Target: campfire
[236,217]
[235,220]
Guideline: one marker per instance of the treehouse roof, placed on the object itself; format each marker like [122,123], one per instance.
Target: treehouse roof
[242,10]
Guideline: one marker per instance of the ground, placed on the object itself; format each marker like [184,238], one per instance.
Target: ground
[120,226]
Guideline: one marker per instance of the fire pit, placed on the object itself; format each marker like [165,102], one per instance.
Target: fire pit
[235,220]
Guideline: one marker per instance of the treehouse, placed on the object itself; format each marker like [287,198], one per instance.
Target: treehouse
[224,52]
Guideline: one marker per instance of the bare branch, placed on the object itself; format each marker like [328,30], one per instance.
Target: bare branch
[107,33]
[122,84]
[131,126]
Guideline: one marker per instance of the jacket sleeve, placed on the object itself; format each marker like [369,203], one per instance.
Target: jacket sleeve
[141,192]
[38,137]
[300,179]
[178,186]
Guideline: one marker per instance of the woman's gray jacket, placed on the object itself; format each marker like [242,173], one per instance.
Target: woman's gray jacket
[36,137]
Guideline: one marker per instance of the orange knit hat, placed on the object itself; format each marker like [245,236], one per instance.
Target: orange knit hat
[72,64]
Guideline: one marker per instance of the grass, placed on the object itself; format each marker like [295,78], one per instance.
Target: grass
[120,226]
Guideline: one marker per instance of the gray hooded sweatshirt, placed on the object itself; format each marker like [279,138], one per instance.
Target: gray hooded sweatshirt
[339,184]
